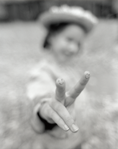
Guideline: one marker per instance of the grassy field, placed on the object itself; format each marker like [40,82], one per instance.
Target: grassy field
[19,52]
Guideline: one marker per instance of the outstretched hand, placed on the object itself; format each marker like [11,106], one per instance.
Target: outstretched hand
[56,110]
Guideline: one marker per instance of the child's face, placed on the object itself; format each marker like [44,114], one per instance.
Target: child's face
[67,43]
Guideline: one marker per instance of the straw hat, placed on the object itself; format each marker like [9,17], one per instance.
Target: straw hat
[67,14]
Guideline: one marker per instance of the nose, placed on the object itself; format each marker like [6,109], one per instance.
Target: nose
[73,48]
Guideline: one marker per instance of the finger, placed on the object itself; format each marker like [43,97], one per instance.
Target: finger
[64,114]
[60,90]
[48,113]
[78,88]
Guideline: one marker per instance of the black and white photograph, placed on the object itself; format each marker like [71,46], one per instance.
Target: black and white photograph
[58,74]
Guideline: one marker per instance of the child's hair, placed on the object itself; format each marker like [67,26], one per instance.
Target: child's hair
[56,28]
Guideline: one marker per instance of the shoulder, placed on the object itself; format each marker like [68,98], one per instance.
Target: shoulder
[39,68]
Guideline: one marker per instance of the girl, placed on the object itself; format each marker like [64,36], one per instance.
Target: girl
[51,89]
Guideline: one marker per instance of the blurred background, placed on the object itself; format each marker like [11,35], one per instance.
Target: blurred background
[29,10]
[19,52]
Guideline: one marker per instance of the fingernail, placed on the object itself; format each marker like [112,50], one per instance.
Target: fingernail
[66,127]
[74,128]
[60,81]
[87,75]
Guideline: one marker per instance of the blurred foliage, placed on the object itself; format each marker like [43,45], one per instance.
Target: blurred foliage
[27,10]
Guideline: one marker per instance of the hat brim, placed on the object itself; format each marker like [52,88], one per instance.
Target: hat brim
[49,18]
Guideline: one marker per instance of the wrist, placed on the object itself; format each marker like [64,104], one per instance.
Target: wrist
[38,122]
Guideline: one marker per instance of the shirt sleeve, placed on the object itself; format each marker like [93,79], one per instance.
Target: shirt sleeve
[41,83]
[41,87]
